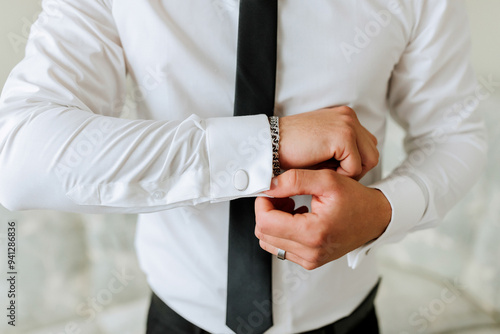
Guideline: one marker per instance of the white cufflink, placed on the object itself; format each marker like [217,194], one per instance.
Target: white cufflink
[240,180]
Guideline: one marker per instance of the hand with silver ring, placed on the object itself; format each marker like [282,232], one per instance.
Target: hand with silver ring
[344,216]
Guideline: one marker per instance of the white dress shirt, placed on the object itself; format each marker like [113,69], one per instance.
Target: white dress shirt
[64,146]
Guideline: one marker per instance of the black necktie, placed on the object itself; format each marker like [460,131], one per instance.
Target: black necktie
[249,303]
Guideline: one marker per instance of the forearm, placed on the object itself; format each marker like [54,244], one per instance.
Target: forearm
[73,160]
[62,146]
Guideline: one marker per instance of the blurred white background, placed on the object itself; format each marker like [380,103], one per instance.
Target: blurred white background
[79,274]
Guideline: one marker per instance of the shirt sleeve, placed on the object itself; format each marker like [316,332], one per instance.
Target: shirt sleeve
[433,95]
[63,147]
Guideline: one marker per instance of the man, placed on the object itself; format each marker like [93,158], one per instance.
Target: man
[341,68]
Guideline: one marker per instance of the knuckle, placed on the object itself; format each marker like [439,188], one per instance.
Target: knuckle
[348,137]
[294,178]
[316,257]
[261,226]
[310,266]
[311,243]
[259,220]
[259,214]
[349,116]
[372,160]
[349,132]
[345,110]
[356,170]
[316,242]
[258,233]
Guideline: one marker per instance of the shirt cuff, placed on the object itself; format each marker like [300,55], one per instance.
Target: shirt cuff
[408,202]
[240,156]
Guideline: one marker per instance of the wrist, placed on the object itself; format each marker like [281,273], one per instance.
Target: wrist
[383,213]
[284,156]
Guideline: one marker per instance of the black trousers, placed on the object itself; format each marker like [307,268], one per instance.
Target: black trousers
[363,320]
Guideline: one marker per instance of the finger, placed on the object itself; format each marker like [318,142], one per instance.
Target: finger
[373,138]
[350,159]
[302,182]
[289,255]
[293,247]
[368,151]
[278,223]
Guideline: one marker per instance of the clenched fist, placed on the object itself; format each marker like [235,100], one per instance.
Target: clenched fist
[331,135]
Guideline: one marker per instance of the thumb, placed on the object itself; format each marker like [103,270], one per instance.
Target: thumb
[301,182]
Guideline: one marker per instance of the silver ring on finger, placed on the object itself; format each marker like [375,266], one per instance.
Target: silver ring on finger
[281,254]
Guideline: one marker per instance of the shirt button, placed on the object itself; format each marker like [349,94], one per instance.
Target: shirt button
[158,194]
[240,180]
